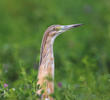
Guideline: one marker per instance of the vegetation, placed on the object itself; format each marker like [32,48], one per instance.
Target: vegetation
[82,58]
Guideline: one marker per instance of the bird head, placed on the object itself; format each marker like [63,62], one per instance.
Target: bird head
[56,30]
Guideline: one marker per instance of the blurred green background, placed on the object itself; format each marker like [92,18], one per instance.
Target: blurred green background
[82,55]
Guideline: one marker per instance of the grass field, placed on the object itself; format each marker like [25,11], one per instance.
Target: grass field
[82,55]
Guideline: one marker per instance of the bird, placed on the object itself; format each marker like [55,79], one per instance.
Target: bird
[46,66]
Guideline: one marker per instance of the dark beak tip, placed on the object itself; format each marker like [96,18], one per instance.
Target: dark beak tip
[76,25]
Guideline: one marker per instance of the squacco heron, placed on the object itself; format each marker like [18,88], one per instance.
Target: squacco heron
[46,66]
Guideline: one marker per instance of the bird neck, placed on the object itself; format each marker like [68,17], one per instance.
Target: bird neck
[47,55]
[46,68]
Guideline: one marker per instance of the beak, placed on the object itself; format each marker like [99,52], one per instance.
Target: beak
[67,27]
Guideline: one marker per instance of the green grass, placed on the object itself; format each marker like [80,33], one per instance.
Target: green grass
[81,55]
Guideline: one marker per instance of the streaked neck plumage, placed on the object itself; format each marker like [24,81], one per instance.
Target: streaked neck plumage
[47,49]
[46,66]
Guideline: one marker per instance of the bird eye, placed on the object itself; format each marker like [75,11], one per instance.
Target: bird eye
[56,28]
